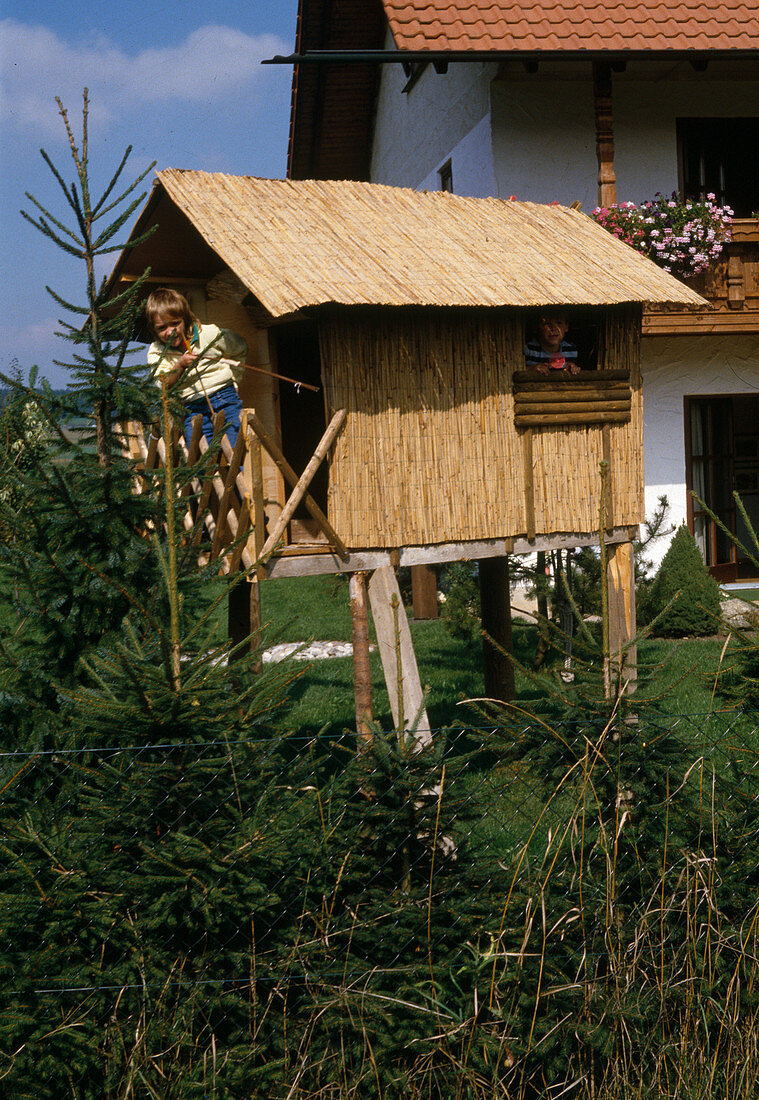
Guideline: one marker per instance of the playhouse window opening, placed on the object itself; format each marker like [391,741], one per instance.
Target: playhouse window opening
[581,340]
[570,377]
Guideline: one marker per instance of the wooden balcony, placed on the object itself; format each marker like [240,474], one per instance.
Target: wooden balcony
[732,286]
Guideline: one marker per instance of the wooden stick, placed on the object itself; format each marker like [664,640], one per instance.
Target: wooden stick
[291,477]
[304,481]
[282,377]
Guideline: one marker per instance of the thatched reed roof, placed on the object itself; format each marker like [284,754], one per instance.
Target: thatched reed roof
[302,243]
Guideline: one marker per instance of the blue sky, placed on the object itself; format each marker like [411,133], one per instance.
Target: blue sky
[180,81]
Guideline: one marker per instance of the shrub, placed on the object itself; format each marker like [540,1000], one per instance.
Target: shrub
[696,610]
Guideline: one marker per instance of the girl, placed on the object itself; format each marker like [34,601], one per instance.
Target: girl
[203,362]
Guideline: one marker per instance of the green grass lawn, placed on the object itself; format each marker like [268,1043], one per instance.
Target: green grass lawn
[682,673]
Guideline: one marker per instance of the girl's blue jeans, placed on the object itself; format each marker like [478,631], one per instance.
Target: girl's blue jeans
[226,400]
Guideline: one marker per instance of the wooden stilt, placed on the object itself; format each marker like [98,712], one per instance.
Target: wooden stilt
[424,592]
[244,615]
[362,677]
[496,624]
[620,574]
[397,655]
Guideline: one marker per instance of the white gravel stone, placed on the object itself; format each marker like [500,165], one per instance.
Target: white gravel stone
[312,651]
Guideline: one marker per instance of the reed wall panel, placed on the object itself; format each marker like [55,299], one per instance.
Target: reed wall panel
[430,452]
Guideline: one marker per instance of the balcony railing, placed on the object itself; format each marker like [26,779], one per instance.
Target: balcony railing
[732,287]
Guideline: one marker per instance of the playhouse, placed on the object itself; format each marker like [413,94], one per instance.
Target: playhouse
[423,438]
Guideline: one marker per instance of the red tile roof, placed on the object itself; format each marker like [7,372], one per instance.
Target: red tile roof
[613,26]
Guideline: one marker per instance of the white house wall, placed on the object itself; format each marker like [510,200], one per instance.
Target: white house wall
[674,368]
[416,132]
[534,136]
[544,146]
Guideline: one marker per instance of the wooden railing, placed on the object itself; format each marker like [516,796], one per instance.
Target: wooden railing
[224,513]
[731,285]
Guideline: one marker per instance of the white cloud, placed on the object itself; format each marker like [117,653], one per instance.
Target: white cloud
[37,65]
[31,343]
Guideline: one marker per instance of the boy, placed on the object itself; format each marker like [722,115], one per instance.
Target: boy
[549,351]
[202,362]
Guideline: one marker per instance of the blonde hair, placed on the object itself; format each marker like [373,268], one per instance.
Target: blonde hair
[165,304]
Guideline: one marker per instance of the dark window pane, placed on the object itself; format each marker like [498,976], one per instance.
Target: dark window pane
[721,156]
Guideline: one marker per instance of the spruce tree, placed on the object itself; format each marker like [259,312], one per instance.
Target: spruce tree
[683,598]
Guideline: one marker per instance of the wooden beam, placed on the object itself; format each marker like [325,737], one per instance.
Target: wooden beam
[313,561]
[548,394]
[398,658]
[528,407]
[301,487]
[537,420]
[244,616]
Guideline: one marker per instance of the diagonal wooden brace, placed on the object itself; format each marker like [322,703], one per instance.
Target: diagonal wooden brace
[300,485]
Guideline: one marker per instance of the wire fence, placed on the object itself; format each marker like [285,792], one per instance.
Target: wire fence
[293,916]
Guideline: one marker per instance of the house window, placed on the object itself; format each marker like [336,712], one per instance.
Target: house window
[446,177]
[720,156]
[722,457]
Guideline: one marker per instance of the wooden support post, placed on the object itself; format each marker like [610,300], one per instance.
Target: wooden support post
[424,592]
[620,575]
[244,607]
[397,655]
[604,111]
[495,603]
[362,677]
